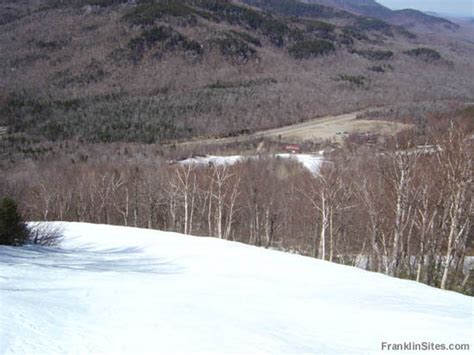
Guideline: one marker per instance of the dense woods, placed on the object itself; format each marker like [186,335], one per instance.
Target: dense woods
[402,207]
[151,71]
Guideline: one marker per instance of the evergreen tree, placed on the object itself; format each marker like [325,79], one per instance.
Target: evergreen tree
[13,230]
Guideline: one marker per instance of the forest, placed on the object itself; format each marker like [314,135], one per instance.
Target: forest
[151,71]
[402,206]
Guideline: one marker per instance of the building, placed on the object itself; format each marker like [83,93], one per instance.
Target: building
[292,148]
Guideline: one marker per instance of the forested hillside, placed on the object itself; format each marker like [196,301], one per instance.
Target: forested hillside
[154,71]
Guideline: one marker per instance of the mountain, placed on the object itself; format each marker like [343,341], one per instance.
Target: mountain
[118,290]
[160,71]
[408,17]
[432,13]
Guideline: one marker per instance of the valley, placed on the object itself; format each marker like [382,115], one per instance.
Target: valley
[317,152]
[319,129]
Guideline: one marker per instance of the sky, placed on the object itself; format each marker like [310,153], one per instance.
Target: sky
[454,7]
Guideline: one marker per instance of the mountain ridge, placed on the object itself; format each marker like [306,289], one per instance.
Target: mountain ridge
[404,17]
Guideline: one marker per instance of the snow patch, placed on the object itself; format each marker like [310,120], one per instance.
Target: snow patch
[311,162]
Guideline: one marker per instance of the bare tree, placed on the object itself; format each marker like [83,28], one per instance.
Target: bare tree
[456,159]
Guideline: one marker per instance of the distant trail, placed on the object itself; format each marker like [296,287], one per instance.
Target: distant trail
[327,127]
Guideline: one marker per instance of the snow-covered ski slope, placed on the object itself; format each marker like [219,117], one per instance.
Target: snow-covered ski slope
[119,290]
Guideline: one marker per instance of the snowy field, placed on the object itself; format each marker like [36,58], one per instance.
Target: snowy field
[122,290]
[311,162]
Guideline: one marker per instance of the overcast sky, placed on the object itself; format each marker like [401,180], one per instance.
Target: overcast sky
[458,7]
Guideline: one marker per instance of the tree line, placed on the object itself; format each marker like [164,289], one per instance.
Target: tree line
[402,207]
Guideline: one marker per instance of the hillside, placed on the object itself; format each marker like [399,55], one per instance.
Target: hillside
[157,71]
[122,290]
[406,17]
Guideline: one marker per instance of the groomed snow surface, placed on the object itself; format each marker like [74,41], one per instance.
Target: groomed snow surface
[118,290]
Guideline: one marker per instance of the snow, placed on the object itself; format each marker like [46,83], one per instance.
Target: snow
[311,162]
[214,159]
[115,290]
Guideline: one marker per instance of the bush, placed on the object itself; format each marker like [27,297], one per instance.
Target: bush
[147,14]
[374,54]
[167,37]
[13,230]
[357,80]
[308,49]
[45,234]
[354,33]
[380,68]
[242,83]
[373,24]
[404,32]
[426,54]
[235,49]
[246,37]
[321,29]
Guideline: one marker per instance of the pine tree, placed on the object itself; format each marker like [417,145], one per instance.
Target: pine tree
[13,230]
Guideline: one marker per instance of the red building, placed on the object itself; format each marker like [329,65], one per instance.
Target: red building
[292,148]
